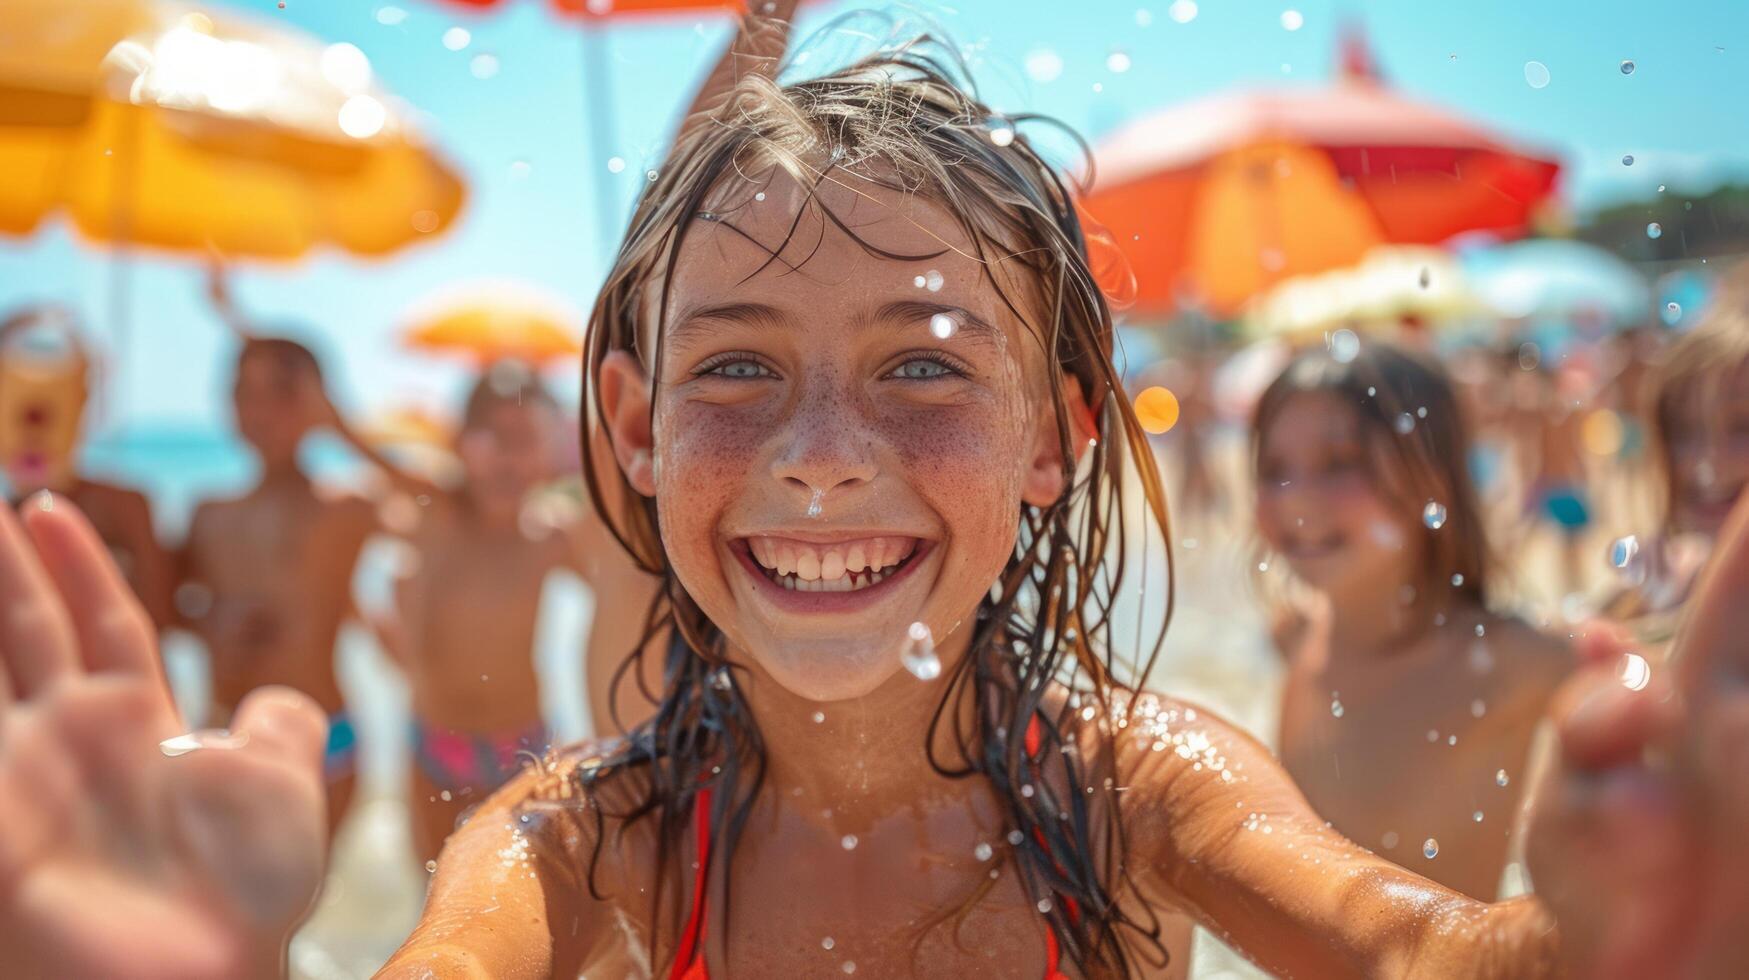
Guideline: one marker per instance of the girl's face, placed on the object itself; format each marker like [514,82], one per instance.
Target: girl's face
[1318,505]
[1709,450]
[839,443]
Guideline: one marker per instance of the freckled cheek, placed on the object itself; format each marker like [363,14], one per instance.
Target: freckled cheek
[966,462]
[704,457]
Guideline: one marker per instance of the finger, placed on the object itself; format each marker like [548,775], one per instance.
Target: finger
[1599,641]
[1711,645]
[36,637]
[112,629]
[1603,722]
[285,723]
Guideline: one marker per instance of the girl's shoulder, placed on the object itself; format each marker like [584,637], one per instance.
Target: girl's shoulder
[1528,662]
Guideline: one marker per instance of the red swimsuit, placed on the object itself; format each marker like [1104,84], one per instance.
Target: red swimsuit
[689,963]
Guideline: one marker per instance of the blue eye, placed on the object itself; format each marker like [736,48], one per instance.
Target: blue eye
[739,370]
[921,369]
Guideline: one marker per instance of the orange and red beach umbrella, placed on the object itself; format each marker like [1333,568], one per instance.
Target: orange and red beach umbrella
[1217,200]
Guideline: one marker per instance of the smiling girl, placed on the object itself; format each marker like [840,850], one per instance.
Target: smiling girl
[855,373]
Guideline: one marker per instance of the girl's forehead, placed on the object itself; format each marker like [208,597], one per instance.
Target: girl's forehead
[1304,416]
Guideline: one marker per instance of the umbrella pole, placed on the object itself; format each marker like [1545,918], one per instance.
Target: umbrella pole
[598,107]
[124,185]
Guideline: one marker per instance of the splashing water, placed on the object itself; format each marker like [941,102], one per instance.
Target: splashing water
[827,943]
[431,867]
[918,653]
[1182,11]
[1623,550]
[1672,312]
[814,503]
[1627,160]
[983,852]
[848,842]
[1405,424]
[1430,849]
[933,281]
[651,175]
[1043,65]
[205,738]
[1636,672]
[1536,74]
[1000,130]
[1654,230]
[1477,816]
[1501,779]
[1627,67]
[721,680]
[849,966]
[1433,515]
[1344,346]
[943,326]
[1044,906]
[819,717]
[1336,709]
[1457,580]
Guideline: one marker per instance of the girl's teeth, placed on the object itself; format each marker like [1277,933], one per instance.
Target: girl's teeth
[786,560]
[832,566]
[808,565]
[858,559]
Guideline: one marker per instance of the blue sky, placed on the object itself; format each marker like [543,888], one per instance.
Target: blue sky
[1679,114]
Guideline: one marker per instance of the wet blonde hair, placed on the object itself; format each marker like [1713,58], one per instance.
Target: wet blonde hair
[902,120]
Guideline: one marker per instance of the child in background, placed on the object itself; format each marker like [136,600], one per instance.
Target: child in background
[1699,408]
[267,576]
[465,618]
[45,372]
[1409,707]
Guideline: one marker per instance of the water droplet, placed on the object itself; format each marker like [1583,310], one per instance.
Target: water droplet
[1529,356]
[1481,630]
[445,796]
[1144,17]
[1389,839]
[1430,849]
[1015,837]
[759,196]
[1636,672]
[1627,67]
[484,66]
[1672,312]
[848,842]
[1000,130]
[1536,74]
[1044,906]
[943,326]
[819,717]
[616,165]
[849,967]
[918,653]
[1481,659]
[827,943]
[1433,515]
[1654,230]
[1043,65]
[983,852]
[1457,580]
[1117,62]
[1292,20]
[1182,11]
[390,16]
[933,281]
[1501,779]
[205,738]
[1432,735]
[1405,424]
[1451,740]
[457,38]
[431,867]
[1336,709]
[651,175]
[1344,346]
[1026,790]
[721,679]
[519,169]
[1623,550]
[1477,816]
[1478,708]
[1627,159]
[814,503]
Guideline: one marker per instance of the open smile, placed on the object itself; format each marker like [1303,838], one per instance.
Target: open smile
[828,575]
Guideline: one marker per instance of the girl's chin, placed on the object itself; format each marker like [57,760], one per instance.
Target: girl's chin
[822,673]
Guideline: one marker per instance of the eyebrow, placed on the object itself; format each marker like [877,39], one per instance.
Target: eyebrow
[695,319]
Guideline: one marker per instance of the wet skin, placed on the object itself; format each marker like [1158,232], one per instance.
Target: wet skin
[1216,828]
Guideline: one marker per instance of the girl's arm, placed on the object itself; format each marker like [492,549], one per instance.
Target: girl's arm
[1222,832]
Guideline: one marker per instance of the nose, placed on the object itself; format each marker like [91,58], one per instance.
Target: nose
[827,447]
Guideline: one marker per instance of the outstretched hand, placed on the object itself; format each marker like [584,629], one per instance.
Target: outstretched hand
[1640,840]
[123,854]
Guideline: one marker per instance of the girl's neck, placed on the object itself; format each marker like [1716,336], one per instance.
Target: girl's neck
[854,758]
[1377,621]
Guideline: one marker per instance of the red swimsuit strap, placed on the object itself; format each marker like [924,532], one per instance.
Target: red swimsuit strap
[689,961]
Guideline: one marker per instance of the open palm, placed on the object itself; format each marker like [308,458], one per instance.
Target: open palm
[1640,844]
[119,859]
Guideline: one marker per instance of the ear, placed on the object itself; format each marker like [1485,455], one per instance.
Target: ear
[1046,476]
[625,414]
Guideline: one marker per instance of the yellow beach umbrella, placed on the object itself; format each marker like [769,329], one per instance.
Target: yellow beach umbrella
[496,320]
[158,124]
[1392,287]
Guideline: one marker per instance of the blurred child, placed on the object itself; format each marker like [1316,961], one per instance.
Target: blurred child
[1409,707]
[1699,408]
[44,377]
[267,576]
[464,628]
